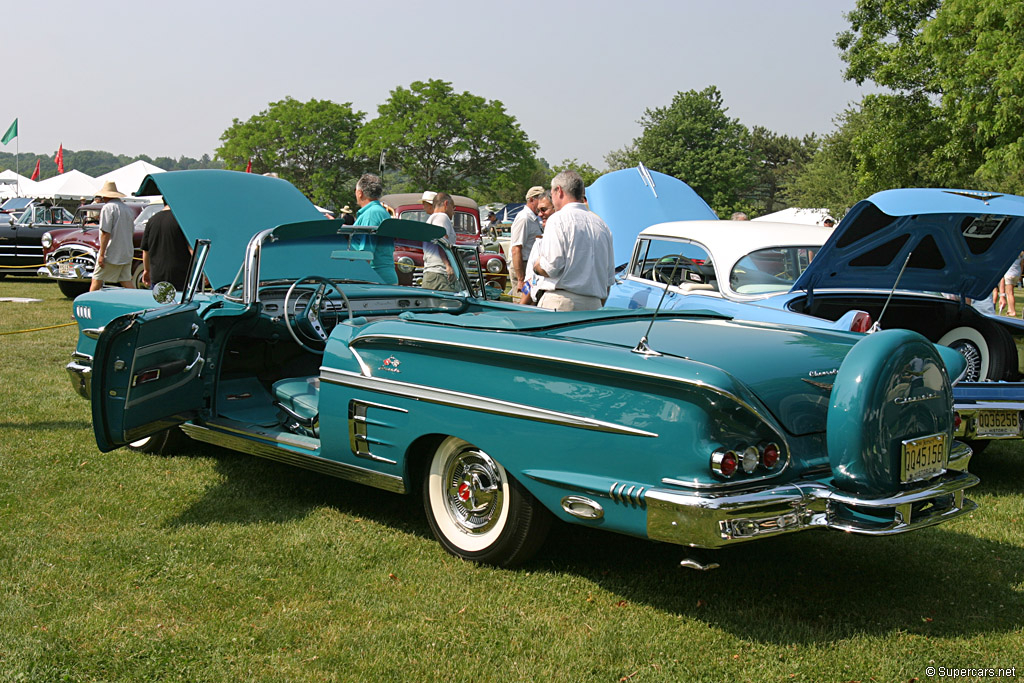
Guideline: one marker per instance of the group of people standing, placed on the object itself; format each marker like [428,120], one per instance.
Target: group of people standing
[562,254]
[165,250]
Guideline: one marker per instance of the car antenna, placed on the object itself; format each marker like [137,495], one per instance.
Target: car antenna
[878,323]
[642,346]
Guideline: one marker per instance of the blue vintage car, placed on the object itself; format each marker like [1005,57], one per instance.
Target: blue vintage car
[692,428]
[910,258]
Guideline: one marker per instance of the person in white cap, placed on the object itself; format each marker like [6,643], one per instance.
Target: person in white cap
[525,229]
[114,259]
[427,200]
[576,258]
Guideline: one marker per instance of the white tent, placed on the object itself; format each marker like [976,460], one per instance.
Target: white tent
[795,215]
[14,185]
[71,185]
[128,178]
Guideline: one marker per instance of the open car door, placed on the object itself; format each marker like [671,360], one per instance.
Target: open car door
[148,374]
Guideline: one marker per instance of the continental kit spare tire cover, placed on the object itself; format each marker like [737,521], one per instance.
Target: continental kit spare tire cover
[892,386]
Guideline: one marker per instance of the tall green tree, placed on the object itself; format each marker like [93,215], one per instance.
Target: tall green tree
[696,141]
[587,171]
[777,160]
[444,140]
[309,144]
[957,65]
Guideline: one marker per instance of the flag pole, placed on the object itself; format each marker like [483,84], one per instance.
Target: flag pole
[17,164]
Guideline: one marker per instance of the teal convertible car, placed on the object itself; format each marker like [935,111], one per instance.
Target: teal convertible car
[687,427]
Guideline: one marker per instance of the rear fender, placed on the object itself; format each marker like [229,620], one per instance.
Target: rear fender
[893,386]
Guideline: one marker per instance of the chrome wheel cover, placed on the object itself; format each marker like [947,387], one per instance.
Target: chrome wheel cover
[972,354]
[473,491]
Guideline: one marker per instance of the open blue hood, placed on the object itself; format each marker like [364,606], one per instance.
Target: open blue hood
[635,198]
[228,208]
[958,242]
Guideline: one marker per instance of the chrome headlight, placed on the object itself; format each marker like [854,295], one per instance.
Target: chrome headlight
[405,264]
[495,265]
[47,240]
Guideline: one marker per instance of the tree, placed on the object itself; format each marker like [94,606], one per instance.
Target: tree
[309,144]
[778,159]
[586,171]
[448,141]
[694,140]
[965,59]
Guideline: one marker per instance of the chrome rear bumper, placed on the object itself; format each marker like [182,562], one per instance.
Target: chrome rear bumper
[80,371]
[715,520]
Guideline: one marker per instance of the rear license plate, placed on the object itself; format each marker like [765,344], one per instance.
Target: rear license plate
[66,268]
[998,423]
[923,457]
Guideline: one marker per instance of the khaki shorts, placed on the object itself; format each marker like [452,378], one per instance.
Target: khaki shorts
[113,272]
[561,300]
[432,280]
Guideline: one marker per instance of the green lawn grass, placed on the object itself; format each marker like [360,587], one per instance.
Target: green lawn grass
[214,566]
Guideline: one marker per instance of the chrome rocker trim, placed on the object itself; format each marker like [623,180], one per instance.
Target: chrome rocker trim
[712,521]
[266,447]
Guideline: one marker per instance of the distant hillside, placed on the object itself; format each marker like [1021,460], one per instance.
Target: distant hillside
[96,163]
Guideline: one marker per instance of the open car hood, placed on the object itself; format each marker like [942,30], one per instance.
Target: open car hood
[635,198]
[958,242]
[228,208]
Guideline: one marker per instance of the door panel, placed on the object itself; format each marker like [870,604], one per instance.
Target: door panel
[148,374]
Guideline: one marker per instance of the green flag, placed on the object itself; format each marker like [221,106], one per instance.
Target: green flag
[11,133]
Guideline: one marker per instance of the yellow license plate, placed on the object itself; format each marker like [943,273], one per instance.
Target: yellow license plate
[998,423]
[923,457]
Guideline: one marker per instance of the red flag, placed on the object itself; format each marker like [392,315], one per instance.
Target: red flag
[35,173]
[248,167]
[59,159]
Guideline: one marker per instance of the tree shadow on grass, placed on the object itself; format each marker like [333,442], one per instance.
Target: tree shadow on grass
[807,588]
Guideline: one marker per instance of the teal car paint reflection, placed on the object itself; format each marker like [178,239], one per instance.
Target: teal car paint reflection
[501,418]
[923,259]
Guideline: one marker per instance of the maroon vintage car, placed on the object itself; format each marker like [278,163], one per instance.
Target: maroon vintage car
[409,259]
[69,254]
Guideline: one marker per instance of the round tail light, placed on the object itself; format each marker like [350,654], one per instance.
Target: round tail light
[861,322]
[957,421]
[750,459]
[770,456]
[724,463]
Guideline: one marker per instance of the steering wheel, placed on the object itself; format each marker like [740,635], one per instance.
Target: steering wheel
[667,266]
[310,323]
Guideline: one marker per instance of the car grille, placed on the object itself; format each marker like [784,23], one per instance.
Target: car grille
[75,255]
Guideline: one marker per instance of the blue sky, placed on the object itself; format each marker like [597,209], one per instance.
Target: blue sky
[166,79]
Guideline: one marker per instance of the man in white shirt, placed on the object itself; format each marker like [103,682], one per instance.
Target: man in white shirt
[117,248]
[525,229]
[576,256]
[437,272]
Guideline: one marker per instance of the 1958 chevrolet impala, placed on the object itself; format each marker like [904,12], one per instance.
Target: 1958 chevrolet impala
[693,428]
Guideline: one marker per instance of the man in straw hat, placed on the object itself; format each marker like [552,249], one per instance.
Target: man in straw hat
[114,260]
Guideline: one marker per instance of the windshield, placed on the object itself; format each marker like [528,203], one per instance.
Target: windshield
[50,215]
[147,213]
[464,222]
[773,270]
[363,258]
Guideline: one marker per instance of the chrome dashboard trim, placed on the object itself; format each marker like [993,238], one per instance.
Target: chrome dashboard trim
[474,402]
